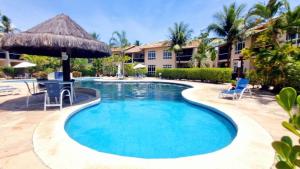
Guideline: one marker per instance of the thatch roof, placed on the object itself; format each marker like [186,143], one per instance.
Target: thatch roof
[52,37]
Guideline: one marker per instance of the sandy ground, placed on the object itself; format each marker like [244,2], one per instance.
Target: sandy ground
[17,123]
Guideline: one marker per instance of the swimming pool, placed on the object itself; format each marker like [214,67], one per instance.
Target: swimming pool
[148,120]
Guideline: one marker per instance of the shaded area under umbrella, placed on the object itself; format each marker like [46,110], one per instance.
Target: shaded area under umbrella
[57,37]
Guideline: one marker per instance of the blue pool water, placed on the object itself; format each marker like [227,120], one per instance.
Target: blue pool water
[148,120]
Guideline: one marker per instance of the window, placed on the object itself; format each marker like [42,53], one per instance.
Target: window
[167,54]
[294,38]
[239,46]
[151,70]
[167,66]
[151,55]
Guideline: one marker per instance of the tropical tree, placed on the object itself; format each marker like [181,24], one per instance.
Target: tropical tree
[79,64]
[179,35]
[95,35]
[229,25]
[6,25]
[119,39]
[271,62]
[98,66]
[43,63]
[290,21]
[137,43]
[204,50]
[263,13]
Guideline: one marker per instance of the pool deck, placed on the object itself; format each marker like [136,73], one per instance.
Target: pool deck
[17,130]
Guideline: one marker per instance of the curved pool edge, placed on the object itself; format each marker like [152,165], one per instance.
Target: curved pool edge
[251,147]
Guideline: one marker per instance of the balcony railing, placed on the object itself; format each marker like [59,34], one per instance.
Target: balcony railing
[138,60]
[2,55]
[184,58]
[223,56]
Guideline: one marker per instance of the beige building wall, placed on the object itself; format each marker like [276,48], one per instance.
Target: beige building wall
[236,56]
[159,61]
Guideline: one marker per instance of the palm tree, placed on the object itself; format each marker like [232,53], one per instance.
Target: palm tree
[95,35]
[262,13]
[290,21]
[137,43]
[229,25]
[120,40]
[178,36]
[6,25]
[204,50]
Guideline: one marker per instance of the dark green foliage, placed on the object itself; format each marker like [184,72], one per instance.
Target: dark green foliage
[293,76]
[88,72]
[204,74]
[9,71]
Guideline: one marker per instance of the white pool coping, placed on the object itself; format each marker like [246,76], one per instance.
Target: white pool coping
[251,149]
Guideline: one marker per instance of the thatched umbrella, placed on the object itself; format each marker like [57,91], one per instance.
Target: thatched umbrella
[57,37]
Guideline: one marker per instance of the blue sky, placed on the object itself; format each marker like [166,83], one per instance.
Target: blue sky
[144,20]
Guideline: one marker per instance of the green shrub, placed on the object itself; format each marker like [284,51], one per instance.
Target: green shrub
[293,76]
[88,72]
[287,152]
[40,75]
[129,71]
[203,74]
[253,77]
[141,71]
[9,71]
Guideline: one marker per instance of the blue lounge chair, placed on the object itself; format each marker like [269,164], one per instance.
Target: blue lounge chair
[238,91]
[58,76]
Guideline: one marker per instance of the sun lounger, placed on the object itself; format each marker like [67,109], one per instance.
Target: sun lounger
[238,91]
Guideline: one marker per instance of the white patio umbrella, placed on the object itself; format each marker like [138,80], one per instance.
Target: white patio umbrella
[24,65]
[139,66]
[119,69]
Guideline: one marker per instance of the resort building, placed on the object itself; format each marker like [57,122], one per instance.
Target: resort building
[158,55]
[237,60]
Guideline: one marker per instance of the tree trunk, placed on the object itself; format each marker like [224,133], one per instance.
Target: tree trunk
[199,64]
[229,54]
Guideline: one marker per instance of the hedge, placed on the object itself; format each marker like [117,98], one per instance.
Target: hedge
[203,74]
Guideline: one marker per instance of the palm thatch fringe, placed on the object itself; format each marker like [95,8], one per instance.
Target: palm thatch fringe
[52,37]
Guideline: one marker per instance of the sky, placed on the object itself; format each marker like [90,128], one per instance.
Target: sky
[143,20]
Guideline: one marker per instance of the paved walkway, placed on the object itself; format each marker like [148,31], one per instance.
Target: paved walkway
[17,123]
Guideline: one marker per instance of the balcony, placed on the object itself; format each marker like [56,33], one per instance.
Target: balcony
[14,56]
[141,60]
[2,55]
[184,58]
[223,56]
